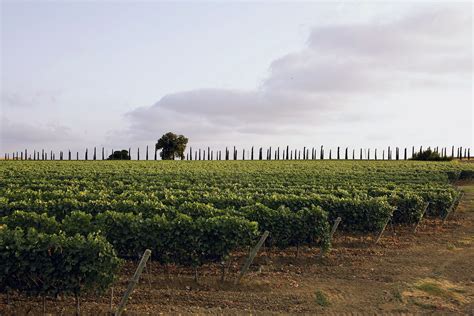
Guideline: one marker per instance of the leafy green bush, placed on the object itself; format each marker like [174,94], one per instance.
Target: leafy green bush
[181,239]
[288,228]
[197,209]
[365,215]
[41,222]
[409,207]
[123,231]
[78,222]
[49,264]
[429,155]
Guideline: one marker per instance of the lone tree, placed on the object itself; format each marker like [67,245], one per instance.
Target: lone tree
[119,155]
[429,155]
[172,146]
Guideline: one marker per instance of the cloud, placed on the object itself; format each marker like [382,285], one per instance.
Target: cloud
[25,100]
[342,77]
[15,134]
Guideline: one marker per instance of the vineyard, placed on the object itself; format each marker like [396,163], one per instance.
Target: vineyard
[66,227]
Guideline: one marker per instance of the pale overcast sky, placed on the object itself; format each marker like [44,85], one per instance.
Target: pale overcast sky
[121,74]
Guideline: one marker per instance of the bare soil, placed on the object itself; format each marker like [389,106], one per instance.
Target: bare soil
[429,272]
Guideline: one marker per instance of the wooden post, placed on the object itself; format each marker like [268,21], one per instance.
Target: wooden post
[252,255]
[111,308]
[453,206]
[457,201]
[421,217]
[78,304]
[383,228]
[133,282]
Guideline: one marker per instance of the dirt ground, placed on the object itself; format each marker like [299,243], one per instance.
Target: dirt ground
[431,271]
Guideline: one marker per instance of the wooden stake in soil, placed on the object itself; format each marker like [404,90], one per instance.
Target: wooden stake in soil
[452,208]
[383,229]
[331,235]
[458,200]
[133,282]
[111,300]
[78,305]
[252,255]
[421,217]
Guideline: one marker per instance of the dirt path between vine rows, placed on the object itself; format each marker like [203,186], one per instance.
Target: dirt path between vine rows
[431,271]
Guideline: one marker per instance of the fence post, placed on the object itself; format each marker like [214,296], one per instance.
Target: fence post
[133,282]
[421,217]
[384,226]
[252,255]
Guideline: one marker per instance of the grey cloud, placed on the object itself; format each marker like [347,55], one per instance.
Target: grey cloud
[28,99]
[319,84]
[14,134]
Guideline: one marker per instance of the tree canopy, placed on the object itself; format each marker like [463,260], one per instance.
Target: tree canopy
[172,145]
[429,155]
[119,155]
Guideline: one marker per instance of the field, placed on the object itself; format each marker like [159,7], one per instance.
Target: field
[79,227]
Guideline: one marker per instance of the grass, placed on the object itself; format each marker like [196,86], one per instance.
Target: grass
[398,295]
[322,299]
[433,289]
[442,289]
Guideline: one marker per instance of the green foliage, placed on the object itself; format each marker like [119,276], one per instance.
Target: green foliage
[78,222]
[429,155]
[193,214]
[120,155]
[122,230]
[172,145]
[181,240]
[409,207]
[288,228]
[365,215]
[41,222]
[322,299]
[37,263]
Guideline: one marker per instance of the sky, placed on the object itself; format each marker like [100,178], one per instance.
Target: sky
[79,74]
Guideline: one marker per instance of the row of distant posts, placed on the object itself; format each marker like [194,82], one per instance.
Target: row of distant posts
[260,153]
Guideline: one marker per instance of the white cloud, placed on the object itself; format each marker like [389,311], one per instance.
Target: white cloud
[341,78]
[13,134]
